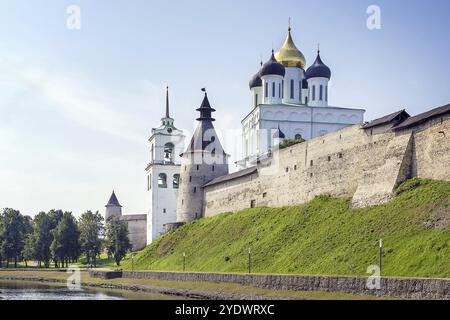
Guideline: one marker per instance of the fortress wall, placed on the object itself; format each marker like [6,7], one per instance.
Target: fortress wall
[431,149]
[349,163]
[236,191]
[340,161]
[137,229]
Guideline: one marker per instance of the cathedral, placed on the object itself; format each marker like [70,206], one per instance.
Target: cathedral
[290,102]
[287,102]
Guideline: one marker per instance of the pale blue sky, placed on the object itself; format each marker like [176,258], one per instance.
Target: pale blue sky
[77,107]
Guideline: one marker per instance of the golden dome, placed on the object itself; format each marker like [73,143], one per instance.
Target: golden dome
[289,55]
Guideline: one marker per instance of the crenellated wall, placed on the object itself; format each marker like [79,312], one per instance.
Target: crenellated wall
[351,162]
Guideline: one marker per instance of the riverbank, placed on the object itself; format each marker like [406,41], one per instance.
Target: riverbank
[178,289]
[38,290]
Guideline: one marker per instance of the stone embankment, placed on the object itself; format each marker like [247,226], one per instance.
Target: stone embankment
[412,288]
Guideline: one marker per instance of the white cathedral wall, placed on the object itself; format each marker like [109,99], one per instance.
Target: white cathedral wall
[315,100]
[272,98]
[297,75]
[256,96]
[258,127]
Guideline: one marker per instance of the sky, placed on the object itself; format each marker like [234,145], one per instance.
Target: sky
[77,105]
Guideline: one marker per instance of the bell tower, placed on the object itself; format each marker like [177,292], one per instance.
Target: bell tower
[163,174]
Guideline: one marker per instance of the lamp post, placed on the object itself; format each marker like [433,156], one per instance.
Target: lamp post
[132,262]
[249,260]
[184,261]
[380,255]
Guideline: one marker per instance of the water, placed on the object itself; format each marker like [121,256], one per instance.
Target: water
[14,290]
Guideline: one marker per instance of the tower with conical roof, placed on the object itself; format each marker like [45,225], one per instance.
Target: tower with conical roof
[113,207]
[163,174]
[203,161]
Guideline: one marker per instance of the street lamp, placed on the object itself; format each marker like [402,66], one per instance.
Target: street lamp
[132,262]
[249,260]
[380,255]
[184,261]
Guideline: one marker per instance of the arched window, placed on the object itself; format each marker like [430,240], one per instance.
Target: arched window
[266,89]
[273,89]
[300,92]
[168,152]
[313,93]
[292,89]
[321,93]
[152,153]
[176,181]
[162,180]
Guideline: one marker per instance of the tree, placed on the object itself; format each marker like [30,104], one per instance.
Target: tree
[91,230]
[12,233]
[44,223]
[27,254]
[65,245]
[29,251]
[43,238]
[117,241]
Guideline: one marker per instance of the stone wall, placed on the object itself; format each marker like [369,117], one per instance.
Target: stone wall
[137,228]
[352,162]
[393,287]
[431,149]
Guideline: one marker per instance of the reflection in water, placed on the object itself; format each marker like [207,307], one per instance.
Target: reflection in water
[31,291]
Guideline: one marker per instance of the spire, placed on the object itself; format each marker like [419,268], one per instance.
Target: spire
[167,121]
[113,202]
[205,109]
[167,102]
[289,29]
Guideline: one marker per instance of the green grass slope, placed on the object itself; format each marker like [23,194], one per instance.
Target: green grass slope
[323,237]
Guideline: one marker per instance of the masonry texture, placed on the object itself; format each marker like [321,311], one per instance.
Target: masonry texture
[365,165]
[137,228]
[416,288]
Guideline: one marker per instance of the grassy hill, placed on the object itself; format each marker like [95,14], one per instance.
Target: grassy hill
[324,236]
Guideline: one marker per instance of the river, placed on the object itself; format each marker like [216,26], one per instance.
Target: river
[16,290]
